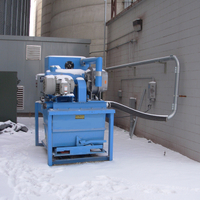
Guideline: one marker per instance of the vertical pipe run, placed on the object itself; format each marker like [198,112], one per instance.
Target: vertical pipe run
[11,19]
[134,125]
[104,45]
[17,15]
[176,84]
[98,80]
[132,104]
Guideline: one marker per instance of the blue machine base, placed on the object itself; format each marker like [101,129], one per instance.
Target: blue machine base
[79,160]
[82,150]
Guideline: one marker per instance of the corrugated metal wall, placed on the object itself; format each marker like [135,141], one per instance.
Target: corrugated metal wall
[14,17]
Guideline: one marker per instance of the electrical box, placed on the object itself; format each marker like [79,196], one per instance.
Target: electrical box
[39,83]
[120,93]
[8,93]
[152,91]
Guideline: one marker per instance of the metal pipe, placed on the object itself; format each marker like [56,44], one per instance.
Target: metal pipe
[11,18]
[133,79]
[98,72]
[104,45]
[17,2]
[131,41]
[154,60]
[121,37]
[134,125]
[96,52]
[175,101]
[136,112]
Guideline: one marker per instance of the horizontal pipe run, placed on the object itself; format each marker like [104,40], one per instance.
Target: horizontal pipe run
[137,113]
[120,37]
[140,78]
[131,41]
[167,58]
[155,60]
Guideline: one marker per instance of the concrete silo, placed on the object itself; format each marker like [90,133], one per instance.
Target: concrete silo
[77,19]
[46,17]
[38,18]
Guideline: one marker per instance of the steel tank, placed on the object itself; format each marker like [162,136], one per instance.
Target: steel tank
[77,19]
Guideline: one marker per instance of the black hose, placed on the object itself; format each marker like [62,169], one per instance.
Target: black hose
[137,113]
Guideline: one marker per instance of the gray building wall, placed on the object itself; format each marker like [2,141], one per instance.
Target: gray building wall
[13,57]
[169,27]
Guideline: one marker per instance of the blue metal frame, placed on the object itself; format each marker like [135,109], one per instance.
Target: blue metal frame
[65,112]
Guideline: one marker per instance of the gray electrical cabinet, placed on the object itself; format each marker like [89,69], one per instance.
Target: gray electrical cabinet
[8,96]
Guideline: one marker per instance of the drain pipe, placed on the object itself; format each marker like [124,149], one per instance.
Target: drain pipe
[104,44]
[147,115]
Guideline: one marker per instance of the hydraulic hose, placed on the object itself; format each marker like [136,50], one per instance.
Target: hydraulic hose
[137,113]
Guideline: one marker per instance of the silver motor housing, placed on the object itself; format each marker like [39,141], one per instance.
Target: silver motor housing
[90,80]
[58,85]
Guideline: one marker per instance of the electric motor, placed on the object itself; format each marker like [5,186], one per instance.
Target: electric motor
[58,85]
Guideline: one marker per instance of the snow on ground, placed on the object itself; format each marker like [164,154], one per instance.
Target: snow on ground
[139,171]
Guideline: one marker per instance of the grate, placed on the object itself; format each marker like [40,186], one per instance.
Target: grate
[20,97]
[33,52]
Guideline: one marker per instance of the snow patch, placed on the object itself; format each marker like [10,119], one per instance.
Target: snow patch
[139,171]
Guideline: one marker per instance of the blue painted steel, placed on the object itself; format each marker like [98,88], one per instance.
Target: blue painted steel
[111,125]
[37,110]
[36,125]
[61,60]
[80,142]
[66,73]
[81,90]
[74,125]
[78,150]
[53,69]
[98,80]
[73,106]
[49,141]
[98,62]
[75,160]
[62,133]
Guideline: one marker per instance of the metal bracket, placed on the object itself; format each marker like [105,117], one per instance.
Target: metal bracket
[175,70]
[165,66]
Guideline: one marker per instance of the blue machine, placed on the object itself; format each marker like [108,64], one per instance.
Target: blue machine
[73,112]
